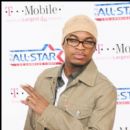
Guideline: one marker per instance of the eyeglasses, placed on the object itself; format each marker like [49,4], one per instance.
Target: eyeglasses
[87,43]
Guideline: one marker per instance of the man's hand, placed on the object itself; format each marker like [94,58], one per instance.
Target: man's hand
[34,100]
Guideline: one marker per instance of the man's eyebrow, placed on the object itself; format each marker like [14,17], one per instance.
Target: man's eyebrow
[72,35]
[87,38]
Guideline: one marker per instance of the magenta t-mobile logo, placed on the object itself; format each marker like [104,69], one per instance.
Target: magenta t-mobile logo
[99,48]
[9,10]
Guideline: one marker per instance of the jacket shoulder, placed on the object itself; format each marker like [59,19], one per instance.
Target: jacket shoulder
[50,72]
[105,81]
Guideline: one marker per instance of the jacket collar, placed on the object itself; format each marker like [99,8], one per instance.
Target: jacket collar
[55,72]
[88,75]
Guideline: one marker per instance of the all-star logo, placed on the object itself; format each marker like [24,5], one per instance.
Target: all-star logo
[112,11]
[123,96]
[45,56]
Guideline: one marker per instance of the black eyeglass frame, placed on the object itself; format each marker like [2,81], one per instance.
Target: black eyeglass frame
[89,44]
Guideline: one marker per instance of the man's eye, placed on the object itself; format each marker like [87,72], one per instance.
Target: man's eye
[73,40]
[89,42]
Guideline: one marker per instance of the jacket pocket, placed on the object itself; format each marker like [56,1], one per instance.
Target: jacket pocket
[79,112]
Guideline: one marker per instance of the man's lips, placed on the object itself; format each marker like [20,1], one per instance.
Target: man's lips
[79,55]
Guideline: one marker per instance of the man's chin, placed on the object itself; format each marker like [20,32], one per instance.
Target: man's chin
[78,64]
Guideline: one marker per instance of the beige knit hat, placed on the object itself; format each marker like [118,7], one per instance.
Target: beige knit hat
[80,23]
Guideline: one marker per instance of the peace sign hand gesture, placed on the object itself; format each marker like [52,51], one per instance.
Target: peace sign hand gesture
[34,100]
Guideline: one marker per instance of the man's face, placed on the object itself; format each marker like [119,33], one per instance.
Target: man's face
[79,48]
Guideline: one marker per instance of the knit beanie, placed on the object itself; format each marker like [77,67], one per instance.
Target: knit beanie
[80,23]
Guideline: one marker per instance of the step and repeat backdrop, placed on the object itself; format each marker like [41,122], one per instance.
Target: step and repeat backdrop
[31,42]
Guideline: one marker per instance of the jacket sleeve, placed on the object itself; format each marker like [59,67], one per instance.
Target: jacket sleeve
[28,123]
[102,117]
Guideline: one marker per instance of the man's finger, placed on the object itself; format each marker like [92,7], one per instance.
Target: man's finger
[29,90]
[31,99]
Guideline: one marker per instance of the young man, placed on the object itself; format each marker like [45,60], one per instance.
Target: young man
[75,95]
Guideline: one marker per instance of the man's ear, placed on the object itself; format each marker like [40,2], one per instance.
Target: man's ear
[94,49]
[63,43]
